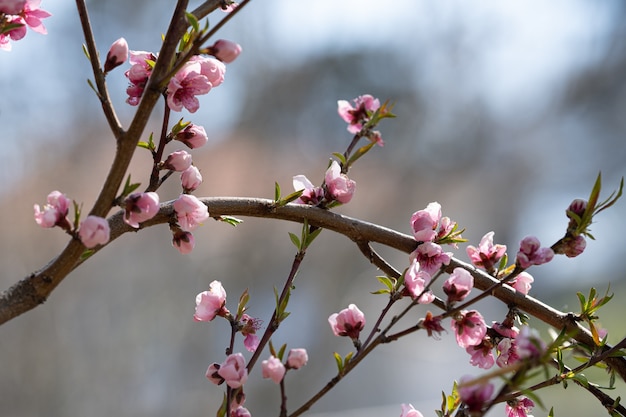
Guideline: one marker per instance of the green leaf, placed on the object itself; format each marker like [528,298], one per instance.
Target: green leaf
[295,240]
[340,157]
[288,199]
[233,221]
[281,352]
[129,187]
[179,127]
[93,87]
[243,301]
[551,413]
[221,412]
[276,192]
[310,237]
[359,153]
[193,22]
[339,361]
[86,52]
[86,254]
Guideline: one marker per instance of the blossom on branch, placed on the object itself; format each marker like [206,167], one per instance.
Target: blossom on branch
[431,257]
[469,328]
[225,50]
[139,207]
[486,255]
[531,253]
[185,85]
[424,222]
[117,55]
[311,194]
[190,212]
[297,358]
[338,186]
[190,179]
[458,285]
[55,212]
[177,161]
[273,369]
[138,74]
[348,322]
[358,115]
[183,241]
[94,231]
[519,407]
[475,395]
[194,136]
[211,303]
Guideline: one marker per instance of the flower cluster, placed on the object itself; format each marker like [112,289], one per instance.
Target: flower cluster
[337,187]
[16,16]
[531,253]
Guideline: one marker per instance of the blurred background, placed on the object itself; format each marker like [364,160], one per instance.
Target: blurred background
[506,112]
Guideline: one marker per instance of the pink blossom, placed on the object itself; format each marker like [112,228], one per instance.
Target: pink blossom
[311,194]
[54,213]
[348,322]
[519,407]
[177,161]
[531,253]
[250,325]
[190,212]
[117,55]
[211,68]
[576,207]
[358,115]
[226,51]
[481,355]
[240,412]
[507,352]
[424,222]
[458,285]
[486,255]
[505,330]
[94,231]
[432,325]
[211,303]
[213,375]
[33,15]
[183,241]
[297,358]
[339,186]
[193,136]
[375,137]
[574,246]
[12,7]
[190,179]
[469,327]
[138,74]
[416,280]
[522,282]
[234,371]
[274,369]
[139,207]
[475,395]
[185,85]
[431,257]
[227,8]
[409,411]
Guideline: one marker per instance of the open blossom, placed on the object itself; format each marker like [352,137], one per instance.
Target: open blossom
[185,85]
[54,213]
[310,194]
[183,241]
[431,257]
[211,68]
[469,327]
[190,212]
[458,285]
[250,325]
[211,303]
[424,222]
[415,281]
[475,396]
[193,136]
[486,255]
[348,322]
[519,407]
[531,253]
[233,370]
[507,352]
[339,186]
[33,15]
[94,231]
[117,55]
[225,50]
[522,282]
[138,74]
[297,358]
[356,116]
[481,355]
[140,207]
[409,411]
[274,369]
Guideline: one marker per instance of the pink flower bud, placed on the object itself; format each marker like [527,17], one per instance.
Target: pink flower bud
[183,241]
[190,179]
[212,374]
[190,212]
[531,253]
[575,246]
[226,51]
[338,185]
[210,68]
[522,282]
[177,161]
[577,207]
[140,207]
[118,54]
[424,222]
[348,322]
[234,371]
[297,358]
[211,303]
[458,285]
[193,136]
[94,231]
[240,412]
[274,369]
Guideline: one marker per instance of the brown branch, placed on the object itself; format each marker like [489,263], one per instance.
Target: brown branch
[34,289]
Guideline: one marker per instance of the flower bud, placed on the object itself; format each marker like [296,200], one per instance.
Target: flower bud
[226,51]
[140,207]
[297,358]
[274,369]
[183,241]
[94,231]
[177,161]
[190,179]
[118,54]
[577,207]
[348,322]
[193,136]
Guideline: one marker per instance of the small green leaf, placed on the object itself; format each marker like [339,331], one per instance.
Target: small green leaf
[93,87]
[179,126]
[243,301]
[551,413]
[233,221]
[360,152]
[193,22]
[339,362]
[281,352]
[311,236]
[288,199]
[276,192]
[340,157]
[86,254]
[85,51]
[295,240]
